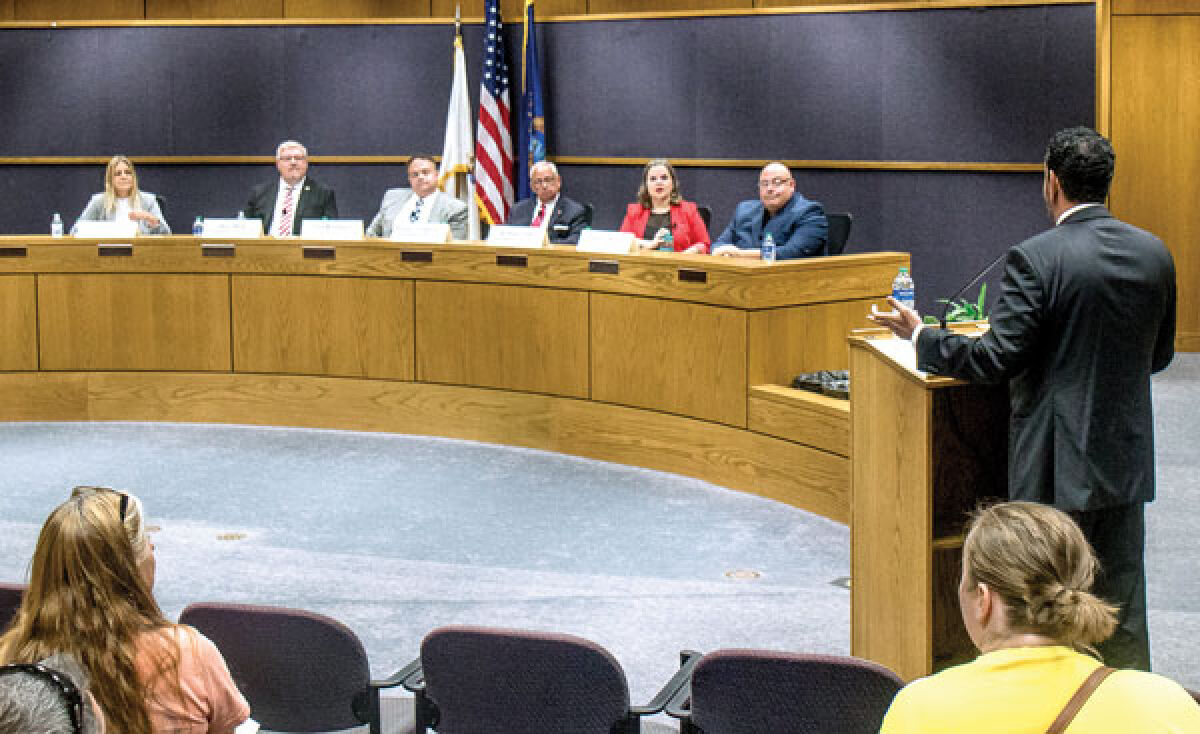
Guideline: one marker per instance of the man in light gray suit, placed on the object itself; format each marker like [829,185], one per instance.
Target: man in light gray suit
[420,204]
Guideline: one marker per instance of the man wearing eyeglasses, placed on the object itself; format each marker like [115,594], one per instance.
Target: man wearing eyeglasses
[284,204]
[562,219]
[797,225]
[421,203]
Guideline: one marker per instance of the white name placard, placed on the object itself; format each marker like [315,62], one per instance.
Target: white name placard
[503,235]
[234,229]
[342,230]
[427,233]
[105,230]
[606,242]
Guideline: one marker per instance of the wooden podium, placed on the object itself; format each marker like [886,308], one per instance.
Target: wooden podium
[925,450]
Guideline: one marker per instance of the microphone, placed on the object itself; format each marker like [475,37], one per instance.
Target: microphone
[958,293]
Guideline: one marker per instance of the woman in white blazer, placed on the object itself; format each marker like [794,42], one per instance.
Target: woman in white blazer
[121,198]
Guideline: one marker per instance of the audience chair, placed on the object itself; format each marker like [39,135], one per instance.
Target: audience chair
[752,691]
[300,671]
[10,599]
[839,232]
[588,211]
[706,217]
[477,679]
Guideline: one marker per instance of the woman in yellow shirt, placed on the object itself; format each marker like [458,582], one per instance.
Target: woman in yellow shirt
[1026,603]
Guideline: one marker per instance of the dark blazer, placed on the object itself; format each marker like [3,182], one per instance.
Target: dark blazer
[566,221]
[316,202]
[1086,314]
[799,228]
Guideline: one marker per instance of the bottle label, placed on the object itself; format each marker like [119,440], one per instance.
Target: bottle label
[907,296]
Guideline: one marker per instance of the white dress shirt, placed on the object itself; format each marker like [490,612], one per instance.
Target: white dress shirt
[280,215]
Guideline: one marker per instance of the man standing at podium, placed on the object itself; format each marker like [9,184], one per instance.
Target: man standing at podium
[1086,315]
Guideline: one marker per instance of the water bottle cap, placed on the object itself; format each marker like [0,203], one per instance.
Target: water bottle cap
[904,268]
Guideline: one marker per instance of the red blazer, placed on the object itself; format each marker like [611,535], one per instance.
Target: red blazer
[686,224]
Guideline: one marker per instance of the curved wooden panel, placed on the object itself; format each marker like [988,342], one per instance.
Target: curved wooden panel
[782,470]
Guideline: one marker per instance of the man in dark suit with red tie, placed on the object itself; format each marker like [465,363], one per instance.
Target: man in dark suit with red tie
[284,204]
[562,218]
[1086,315]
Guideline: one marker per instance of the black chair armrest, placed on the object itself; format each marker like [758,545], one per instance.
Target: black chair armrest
[679,681]
[679,706]
[400,677]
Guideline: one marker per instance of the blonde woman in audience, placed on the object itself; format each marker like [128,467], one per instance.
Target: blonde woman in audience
[1026,602]
[89,596]
[122,200]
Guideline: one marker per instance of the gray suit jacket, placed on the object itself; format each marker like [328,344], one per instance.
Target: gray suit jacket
[94,212]
[445,210]
[1086,315]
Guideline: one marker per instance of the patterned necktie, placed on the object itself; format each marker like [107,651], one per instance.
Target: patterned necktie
[285,215]
[416,212]
[541,212]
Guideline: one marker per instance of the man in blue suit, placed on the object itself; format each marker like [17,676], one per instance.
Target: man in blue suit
[797,225]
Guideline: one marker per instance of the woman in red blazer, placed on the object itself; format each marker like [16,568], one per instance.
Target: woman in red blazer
[660,209]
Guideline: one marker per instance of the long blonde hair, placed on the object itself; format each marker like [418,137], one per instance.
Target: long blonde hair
[1036,558]
[110,191]
[87,597]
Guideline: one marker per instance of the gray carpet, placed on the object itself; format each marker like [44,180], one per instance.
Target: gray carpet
[395,535]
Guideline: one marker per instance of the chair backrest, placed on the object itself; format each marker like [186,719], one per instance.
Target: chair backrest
[485,679]
[10,600]
[735,691]
[706,217]
[839,232]
[588,211]
[299,671]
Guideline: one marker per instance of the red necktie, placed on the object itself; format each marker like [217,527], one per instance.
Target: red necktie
[541,212]
[285,215]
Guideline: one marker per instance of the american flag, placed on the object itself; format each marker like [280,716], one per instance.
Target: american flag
[493,135]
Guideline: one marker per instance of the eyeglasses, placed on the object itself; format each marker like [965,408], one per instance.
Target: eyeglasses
[776,182]
[68,692]
[124,507]
[293,158]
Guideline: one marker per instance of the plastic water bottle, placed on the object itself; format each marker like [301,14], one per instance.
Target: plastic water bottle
[668,242]
[903,289]
[198,227]
[241,214]
[768,249]
[56,225]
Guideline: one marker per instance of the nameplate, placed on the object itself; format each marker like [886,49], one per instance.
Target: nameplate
[607,267]
[320,252]
[114,249]
[218,249]
[605,242]
[14,252]
[416,256]
[505,235]
[427,233]
[105,230]
[234,229]
[692,276]
[339,230]
[512,261]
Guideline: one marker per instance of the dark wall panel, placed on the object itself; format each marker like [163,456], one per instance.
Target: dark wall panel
[956,85]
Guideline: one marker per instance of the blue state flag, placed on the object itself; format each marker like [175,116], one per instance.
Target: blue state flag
[531,131]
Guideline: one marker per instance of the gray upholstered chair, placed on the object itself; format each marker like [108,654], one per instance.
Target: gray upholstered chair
[752,691]
[10,599]
[300,671]
[486,679]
